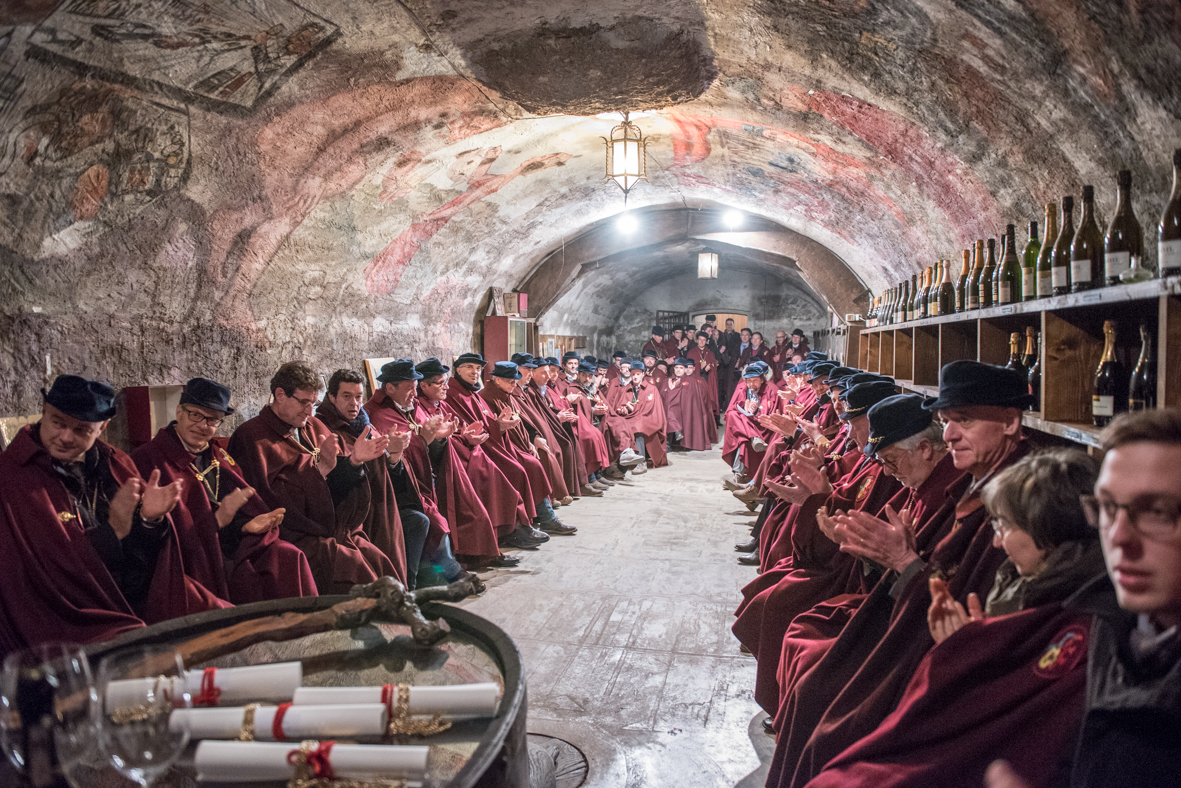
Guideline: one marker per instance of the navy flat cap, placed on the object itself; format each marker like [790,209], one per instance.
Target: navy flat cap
[85,400]
[965,384]
[205,393]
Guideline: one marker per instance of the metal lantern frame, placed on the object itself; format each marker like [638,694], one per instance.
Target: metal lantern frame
[627,156]
[707,264]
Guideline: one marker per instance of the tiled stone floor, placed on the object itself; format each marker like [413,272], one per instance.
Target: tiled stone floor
[625,632]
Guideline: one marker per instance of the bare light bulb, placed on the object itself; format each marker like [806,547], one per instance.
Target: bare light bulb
[732,219]
[627,223]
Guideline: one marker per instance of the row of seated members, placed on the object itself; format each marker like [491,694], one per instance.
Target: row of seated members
[885,519]
[724,353]
[428,478]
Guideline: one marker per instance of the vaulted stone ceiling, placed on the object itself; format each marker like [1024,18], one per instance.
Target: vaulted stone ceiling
[214,187]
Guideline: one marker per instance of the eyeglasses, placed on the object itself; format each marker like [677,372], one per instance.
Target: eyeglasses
[197,418]
[307,404]
[889,465]
[1000,527]
[1152,516]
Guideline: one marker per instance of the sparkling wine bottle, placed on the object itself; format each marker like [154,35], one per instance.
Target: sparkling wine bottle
[1169,231]
[1061,257]
[1123,247]
[946,291]
[1009,279]
[987,275]
[1015,362]
[1035,376]
[1045,258]
[961,286]
[1086,251]
[1106,394]
[1029,264]
[974,276]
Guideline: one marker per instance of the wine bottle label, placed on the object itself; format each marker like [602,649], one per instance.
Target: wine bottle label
[1005,293]
[1060,276]
[1102,405]
[1080,271]
[1045,283]
[973,302]
[1116,263]
[1137,404]
[1170,254]
[1029,281]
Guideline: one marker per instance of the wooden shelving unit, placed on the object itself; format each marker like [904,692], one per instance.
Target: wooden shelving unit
[1071,334]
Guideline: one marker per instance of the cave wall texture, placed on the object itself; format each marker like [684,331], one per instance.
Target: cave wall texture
[216,186]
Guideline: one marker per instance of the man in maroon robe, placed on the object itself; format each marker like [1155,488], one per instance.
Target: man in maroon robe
[394,406]
[498,394]
[638,405]
[780,355]
[746,439]
[553,424]
[487,507]
[687,415]
[656,342]
[580,396]
[89,551]
[755,351]
[707,370]
[228,537]
[855,684]
[343,412]
[291,459]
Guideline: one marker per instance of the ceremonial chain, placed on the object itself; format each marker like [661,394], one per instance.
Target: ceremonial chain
[396,697]
[215,468]
[144,711]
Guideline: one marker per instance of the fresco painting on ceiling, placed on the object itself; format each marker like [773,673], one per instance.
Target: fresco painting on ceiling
[228,55]
[469,171]
[88,158]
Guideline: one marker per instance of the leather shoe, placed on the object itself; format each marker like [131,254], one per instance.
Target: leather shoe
[747,547]
[603,480]
[769,726]
[748,493]
[557,527]
[541,536]
[591,492]
[520,539]
[615,473]
[598,485]
[569,499]
[733,482]
[503,562]
[749,559]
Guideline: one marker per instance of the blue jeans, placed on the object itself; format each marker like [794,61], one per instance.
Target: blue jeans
[545,512]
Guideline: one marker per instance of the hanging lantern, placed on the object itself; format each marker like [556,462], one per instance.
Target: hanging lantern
[707,265]
[626,159]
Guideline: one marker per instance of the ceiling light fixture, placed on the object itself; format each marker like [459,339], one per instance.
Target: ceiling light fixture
[707,264]
[627,223]
[626,156]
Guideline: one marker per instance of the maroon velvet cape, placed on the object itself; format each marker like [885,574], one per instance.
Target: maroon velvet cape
[706,370]
[383,523]
[652,344]
[686,412]
[551,454]
[518,437]
[385,416]
[646,417]
[462,501]
[53,584]
[522,470]
[1011,687]
[263,567]
[741,428]
[284,473]
[573,465]
[750,355]
[777,356]
[590,438]
[860,679]
[818,571]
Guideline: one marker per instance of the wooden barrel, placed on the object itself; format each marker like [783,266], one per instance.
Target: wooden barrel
[484,753]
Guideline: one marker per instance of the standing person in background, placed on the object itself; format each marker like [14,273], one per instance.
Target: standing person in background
[756,351]
[780,355]
[798,343]
[656,342]
[728,352]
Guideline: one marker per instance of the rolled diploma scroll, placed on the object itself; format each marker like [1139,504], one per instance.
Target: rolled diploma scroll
[231,761]
[275,683]
[299,722]
[456,701]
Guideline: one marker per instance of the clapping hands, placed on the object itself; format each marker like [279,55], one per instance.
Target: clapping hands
[946,615]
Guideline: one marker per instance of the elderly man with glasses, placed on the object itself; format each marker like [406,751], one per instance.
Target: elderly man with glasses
[228,536]
[1131,730]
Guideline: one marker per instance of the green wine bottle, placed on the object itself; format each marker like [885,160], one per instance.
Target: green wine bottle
[1045,258]
[1061,259]
[987,275]
[1123,248]
[1009,279]
[1029,265]
[1168,236]
[974,276]
[1086,251]
[961,286]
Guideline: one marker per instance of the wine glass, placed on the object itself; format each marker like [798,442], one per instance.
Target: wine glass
[46,723]
[137,690]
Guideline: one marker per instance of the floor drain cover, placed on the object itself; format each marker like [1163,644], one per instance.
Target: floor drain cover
[555,763]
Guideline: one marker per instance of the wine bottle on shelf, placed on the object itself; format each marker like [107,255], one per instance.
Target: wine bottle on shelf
[946,291]
[1029,264]
[974,276]
[914,297]
[1030,347]
[1060,263]
[1010,280]
[920,307]
[1169,232]
[1123,247]
[1086,251]
[1035,376]
[1015,362]
[901,312]
[933,290]
[961,286]
[1107,393]
[1045,264]
[1142,389]
[996,274]
[987,275]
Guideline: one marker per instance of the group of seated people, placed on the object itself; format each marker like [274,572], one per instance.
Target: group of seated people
[440,472]
[940,604]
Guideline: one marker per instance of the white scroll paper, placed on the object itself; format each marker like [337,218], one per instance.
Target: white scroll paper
[226,761]
[455,701]
[256,683]
[299,722]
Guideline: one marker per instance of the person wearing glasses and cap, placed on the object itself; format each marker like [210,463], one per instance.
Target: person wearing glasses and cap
[293,461]
[229,538]
[746,439]
[89,551]
[853,686]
